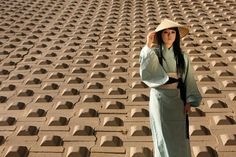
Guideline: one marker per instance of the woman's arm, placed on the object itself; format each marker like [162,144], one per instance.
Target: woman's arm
[151,72]
[193,96]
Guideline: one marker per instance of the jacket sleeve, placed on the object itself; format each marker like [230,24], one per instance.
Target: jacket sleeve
[151,72]
[193,95]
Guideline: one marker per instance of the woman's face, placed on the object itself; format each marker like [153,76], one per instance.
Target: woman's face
[168,36]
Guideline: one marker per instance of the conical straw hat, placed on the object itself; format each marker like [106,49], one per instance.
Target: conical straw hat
[166,23]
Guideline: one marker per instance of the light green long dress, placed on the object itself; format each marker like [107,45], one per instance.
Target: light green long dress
[167,117]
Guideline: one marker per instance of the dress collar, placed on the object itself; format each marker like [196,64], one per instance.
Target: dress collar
[164,48]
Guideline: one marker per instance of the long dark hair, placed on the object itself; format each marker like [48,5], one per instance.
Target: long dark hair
[180,63]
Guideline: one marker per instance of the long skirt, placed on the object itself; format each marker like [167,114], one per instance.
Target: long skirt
[168,123]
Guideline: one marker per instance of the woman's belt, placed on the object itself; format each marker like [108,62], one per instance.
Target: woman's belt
[169,86]
[172,83]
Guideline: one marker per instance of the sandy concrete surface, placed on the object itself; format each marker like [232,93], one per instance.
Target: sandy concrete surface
[70,84]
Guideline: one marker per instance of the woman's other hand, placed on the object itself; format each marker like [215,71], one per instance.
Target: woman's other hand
[151,39]
[187,108]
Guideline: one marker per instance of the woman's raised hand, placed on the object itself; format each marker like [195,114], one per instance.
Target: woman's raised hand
[151,39]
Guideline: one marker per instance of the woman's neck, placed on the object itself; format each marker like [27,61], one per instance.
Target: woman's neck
[168,45]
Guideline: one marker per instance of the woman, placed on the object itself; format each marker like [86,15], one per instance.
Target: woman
[167,71]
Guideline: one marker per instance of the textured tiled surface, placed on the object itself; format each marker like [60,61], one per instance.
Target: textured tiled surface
[69,76]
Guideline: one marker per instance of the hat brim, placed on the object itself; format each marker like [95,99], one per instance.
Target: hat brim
[183,31]
[165,24]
